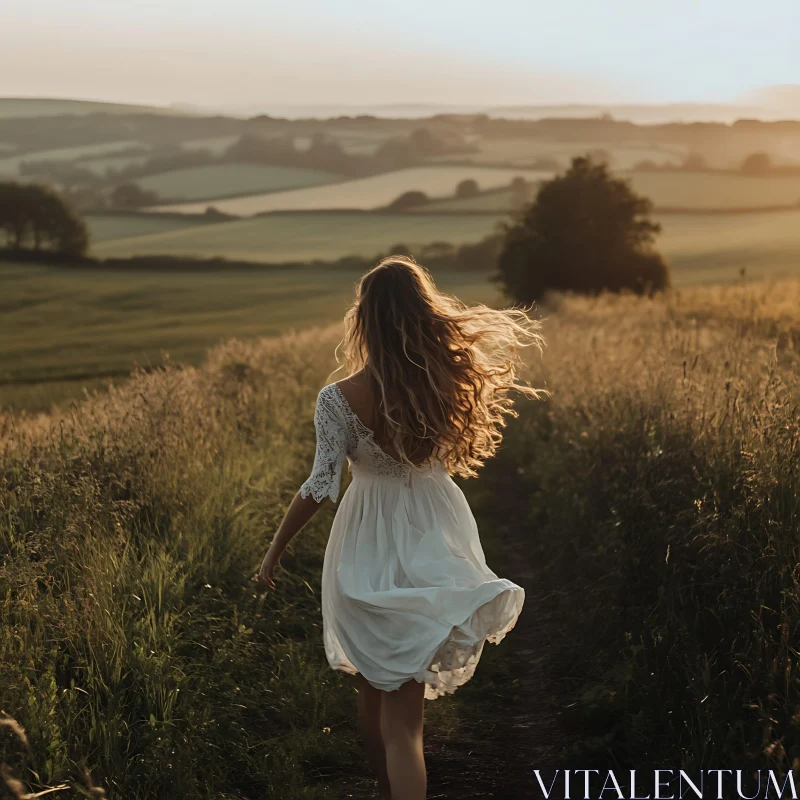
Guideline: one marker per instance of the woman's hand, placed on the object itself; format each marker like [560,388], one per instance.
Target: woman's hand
[299,512]
[271,560]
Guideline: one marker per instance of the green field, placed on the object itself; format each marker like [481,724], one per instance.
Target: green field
[17,107]
[375,191]
[229,180]
[9,167]
[61,329]
[689,190]
[706,248]
[214,144]
[279,238]
[709,190]
[115,227]
[101,166]
[71,326]
[700,247]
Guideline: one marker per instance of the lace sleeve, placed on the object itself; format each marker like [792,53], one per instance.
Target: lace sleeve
[331,451]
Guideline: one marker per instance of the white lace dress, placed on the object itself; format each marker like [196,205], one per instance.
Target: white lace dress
[406,592]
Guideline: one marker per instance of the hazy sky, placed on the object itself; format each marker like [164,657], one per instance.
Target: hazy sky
[366,51]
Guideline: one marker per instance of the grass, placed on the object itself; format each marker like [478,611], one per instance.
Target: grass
[302,236]
[364,193]
[9,167]
[523,152]
[231,180]
[61,328]
[670,190]
[114,227]
[709,248]
[656,488]
[18,107]
[700,190]
[661,484]
[701,248]
[215,144]
[103,166]
[153,661]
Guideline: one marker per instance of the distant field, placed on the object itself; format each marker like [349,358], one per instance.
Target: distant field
[61,329]
[690,190]
[11,107]
[216,144]
[115,227]
[101,166]
[525,151]
[498,201]
[365,193]
[228,180]
[710,190]
[10,166]
[701,247]
[709,248]
[290,237]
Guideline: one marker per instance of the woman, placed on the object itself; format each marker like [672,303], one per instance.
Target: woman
[408,601]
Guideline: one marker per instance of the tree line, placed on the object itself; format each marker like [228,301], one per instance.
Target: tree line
[37,218]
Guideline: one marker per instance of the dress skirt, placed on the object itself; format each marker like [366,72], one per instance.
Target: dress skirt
[406,592]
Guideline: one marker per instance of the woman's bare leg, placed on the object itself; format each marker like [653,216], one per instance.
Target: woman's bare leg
[369,725]
[401,724]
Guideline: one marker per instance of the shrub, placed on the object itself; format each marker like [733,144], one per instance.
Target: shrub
[757,164]
[467,188]
[131,195]
[410,199]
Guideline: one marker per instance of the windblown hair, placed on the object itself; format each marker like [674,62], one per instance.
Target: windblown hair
[440,370]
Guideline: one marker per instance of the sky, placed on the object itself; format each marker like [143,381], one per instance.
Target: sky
[362,52]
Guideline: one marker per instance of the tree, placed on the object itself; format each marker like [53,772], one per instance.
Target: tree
[34,215]
[426,143]
[520,192]
[481,256]
[131,195]
[694,162]
[586,231]
[467,188]
[409,200]
[757,164]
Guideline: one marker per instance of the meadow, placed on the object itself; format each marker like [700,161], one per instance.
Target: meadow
[703,191]
[701,247]
[63,329]
[653,496]
[18,107]
[9,167]
[113,227]
[217,181]
[524,152]
[376,191]
[277,238]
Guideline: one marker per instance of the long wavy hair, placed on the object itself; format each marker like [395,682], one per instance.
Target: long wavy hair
[440,370]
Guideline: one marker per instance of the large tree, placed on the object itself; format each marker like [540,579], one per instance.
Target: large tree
[586,231]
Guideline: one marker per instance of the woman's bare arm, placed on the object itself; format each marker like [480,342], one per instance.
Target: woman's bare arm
[300,511]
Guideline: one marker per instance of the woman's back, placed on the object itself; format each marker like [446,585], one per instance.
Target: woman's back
[363,402]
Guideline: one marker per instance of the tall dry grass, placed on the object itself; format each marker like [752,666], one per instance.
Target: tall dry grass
[662,486]
[658,484]
[132,639]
